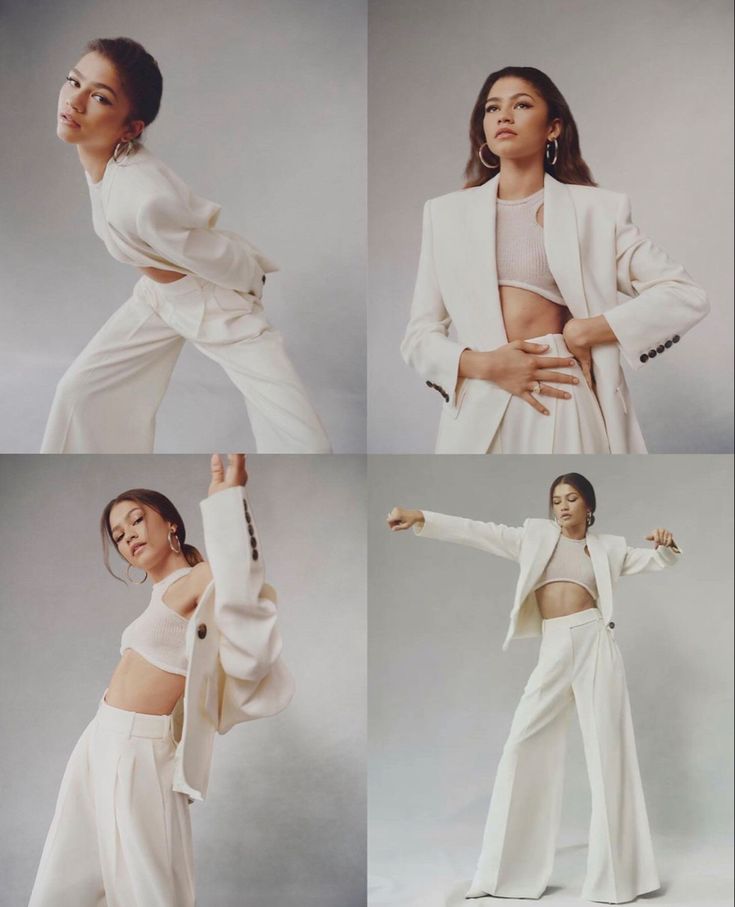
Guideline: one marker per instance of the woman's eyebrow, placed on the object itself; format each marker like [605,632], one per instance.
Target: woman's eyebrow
[132,509]
[97,84]
[518,95]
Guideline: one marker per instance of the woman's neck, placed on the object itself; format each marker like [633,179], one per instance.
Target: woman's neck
[519,179]
[94,162]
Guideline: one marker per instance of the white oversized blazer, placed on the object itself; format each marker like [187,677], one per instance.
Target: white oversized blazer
[597,256]
[235,670]
[532,545]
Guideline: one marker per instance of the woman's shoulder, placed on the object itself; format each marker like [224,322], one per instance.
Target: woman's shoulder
[595,196]
[143,174]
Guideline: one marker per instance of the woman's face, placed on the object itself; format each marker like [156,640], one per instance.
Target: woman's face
[515,105]
[570,508]
[140,534]
[95,106]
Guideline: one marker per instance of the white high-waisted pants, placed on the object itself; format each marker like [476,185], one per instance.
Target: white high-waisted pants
[120,835]
[579,665]
[574,426]
[108,398]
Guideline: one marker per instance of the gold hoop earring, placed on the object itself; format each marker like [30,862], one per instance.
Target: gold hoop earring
[126,147]
[482,159]
[136,582]
[556,152]
[176,550]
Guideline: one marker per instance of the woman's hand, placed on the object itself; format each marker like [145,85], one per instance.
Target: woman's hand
[662,537]
[519,368]
[399,518]
[579,346]
[234,476]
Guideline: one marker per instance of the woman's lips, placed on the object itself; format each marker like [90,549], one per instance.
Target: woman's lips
[67,121]
[138,549]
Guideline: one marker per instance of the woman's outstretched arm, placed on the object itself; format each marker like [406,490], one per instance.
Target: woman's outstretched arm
[505,541]
[665,553]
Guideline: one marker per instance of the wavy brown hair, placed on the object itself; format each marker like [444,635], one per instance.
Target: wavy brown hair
[163,506]
[581,485]
[570,167]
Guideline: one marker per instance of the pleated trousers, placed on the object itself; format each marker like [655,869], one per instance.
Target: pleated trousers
[574,426]
[120,835]
[107,400]
[579,665]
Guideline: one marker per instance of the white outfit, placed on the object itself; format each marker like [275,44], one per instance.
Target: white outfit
[579,662]
[597,258]
[121,834]
[107,400]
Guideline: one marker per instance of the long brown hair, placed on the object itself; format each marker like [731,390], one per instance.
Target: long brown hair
[570,167]
[163,506]
[581,485]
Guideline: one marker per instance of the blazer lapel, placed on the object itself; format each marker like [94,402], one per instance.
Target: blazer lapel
[601,566]
[479,247]
[561,242]
[540,554]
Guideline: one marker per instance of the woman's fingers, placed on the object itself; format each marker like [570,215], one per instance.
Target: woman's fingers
[549,391]
[218,470]
[560,377]
[532,401]
[555,362]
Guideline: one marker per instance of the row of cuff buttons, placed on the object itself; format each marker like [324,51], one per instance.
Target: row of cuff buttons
[662,347]
[202,628]
[440,389]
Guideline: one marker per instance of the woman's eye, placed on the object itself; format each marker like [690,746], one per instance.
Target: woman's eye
[138,520]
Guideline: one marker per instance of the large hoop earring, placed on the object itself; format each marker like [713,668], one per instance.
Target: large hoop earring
[136,582]
[556,152]
[122,150]
[482,159]
[176,550]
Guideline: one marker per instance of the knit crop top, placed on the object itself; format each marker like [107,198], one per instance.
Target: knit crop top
[159,634]
[519,251]
[570,564]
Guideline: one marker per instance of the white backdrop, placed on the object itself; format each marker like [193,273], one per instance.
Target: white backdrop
[650,87]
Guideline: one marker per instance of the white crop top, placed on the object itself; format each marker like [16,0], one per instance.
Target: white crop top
[519,247]
[148,217]
[570,564]
[159,634]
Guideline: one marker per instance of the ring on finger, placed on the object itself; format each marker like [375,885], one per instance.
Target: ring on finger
[536,389]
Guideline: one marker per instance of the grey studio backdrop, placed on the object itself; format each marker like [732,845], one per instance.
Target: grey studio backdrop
[442,692]
[284,819]
[264,112]
[650,87]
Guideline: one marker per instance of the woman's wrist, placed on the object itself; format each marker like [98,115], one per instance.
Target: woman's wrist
[588,332]
[474,364]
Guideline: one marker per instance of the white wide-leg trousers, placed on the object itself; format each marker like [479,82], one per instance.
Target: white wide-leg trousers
[120,835]
[574,426]
[579,664]
[107,400]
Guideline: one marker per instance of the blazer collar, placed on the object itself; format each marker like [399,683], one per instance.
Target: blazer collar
[561,243]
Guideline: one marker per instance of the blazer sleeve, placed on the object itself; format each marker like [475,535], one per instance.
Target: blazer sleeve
[181,235]
[647,560]
[257,681]
[669,302]
[505,541]
[426,345]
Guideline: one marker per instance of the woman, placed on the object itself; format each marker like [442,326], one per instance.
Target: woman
[564,594]
[527,262]
[202,654]
[199,283]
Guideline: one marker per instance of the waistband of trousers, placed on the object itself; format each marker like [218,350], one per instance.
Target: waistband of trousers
[132,724]
[552,624]
[185,284]
[557,346]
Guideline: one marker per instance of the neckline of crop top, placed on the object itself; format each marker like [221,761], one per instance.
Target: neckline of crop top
[521,201]
[159,633]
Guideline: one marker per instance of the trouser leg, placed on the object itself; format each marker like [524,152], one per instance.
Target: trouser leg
[69,872]
[108,398]
[620,862]
[523,820]
[280,413]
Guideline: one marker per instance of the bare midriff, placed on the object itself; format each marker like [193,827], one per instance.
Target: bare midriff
[138,686]
[561,598]
[161,276]
[526,314]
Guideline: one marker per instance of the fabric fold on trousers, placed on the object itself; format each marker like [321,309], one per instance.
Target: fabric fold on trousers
[579,665]
[120,835]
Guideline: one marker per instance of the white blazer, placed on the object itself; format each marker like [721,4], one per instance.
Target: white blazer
[532,545]
[598,258]
[233,644]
